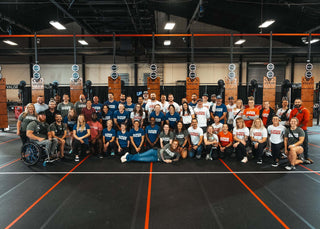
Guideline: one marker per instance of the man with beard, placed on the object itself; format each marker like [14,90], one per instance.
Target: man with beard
[38,132]
[150,105]
[171,102]
[59,132]
[122,98]
[79,105]
[303,115]
[112,104]
[193,102]
[40,105]
[51,112]
[96,105]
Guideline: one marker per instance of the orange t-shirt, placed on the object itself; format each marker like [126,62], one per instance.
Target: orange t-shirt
[265,115]
[225,139]
[250,112]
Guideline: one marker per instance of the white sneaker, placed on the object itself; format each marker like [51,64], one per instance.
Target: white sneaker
[244,160]
[76,159]
[283,156]
[124,158]
[268,154]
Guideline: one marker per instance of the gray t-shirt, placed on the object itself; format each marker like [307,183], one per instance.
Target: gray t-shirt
[25,121]
[167,153]
[57,129]
[292,139]
[78,106]
[64,108]
[40,129]
[166,137]
[181,136]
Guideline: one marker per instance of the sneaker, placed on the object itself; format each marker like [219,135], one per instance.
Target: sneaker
[268,154]
[208,157]
[275,164]
[70,152]
[283,156]
[198,156]
[307,162]
[311,161]
[112,154]
[124,158]
[100,156]
[76,159]
[290,167]
[244,160]
[259,162]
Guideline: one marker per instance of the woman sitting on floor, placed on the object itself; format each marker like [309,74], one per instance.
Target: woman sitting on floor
[258,135]
[168,154]
[293,140]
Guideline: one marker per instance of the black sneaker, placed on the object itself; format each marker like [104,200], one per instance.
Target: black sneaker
[275,164]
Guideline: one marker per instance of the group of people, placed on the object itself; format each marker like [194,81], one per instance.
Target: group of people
[153,130]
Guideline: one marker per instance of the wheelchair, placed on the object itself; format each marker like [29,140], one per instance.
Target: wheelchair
[32,153]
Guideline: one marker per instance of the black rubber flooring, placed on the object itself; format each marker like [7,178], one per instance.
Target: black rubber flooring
[187,194]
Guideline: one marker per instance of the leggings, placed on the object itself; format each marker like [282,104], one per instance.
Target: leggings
[227,152]
[212,151]
[275,149]
[241,151]
[259,151]
[149,156]
[79,148]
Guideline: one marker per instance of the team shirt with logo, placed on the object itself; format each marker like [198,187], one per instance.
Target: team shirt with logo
[259,133]
[211,137]
[158,118]
[57,129]
[25,121]
[250,112]
[276,133]
[217,128]
[166,137]
[108,134]
[230,110]
[265,115]
[121,117]
[173,119]
[293,139]
[64,108]
[152,132]
[241,133]
[150,106]
[129,108]
[225,139]
[195,134]
[80,133]
[95,127]
[176,107]
[137,136]
[137,116]
[97,107]
[202,115]
[113,106]
[220,110]
[186,117]
[123,138]
[181,136]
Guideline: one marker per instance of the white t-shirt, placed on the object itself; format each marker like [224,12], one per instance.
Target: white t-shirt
[241,133]
[195,135]
[276,133]
[234,113]
[163,108]
[258,133]
[187,118]
[280,112]
[211,138]
[213,107]
[202,116]
[150,106]
[207,105]
[166,107]
[217,128]
[230,110]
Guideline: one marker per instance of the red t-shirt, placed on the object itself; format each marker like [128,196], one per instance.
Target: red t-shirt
[88,113]
[265,115]
[225,139]
[250,112]
[95,127]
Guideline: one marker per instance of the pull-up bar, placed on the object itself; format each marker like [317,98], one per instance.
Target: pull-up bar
[170,35]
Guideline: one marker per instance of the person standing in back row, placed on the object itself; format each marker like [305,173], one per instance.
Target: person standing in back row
[64,106]
[303,116]
[80,104]
[251,113]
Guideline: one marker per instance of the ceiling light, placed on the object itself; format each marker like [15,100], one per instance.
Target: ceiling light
[167,42]
[10,42]
[57,25]
[169,25]
[83,42]
[240,42]
[266,24]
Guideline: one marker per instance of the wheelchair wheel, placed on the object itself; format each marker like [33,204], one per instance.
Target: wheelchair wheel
[30,153]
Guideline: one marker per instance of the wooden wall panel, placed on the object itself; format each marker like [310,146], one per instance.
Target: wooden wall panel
[307,94]
[3,104]
[76,89]
[192,86]
[231,89]
[269,91]
[154,86]
[37,89]
[114,86]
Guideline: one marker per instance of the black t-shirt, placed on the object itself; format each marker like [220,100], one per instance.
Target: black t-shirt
[51,116]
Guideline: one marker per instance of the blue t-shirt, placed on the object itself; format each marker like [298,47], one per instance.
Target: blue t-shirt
[137,136]
[121,117]
[153,133]
[123,138]
[82,133]
[173,119]
[112,106]
[129,108]
[108,134]
[220,110]
[159,118]
[70,123]
[97,107]
[105,117]
[193,105]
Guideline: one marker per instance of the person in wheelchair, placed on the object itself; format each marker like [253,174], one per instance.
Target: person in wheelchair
[58,131]
[38,132]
